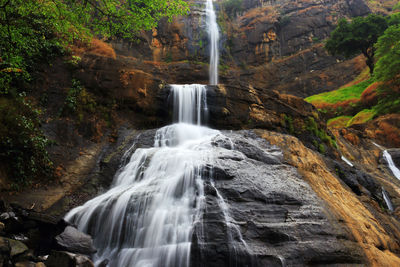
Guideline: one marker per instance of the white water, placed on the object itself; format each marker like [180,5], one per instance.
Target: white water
[189,102]
[347,161]
[213,35]
[392,166]
[147,217]
[387,199]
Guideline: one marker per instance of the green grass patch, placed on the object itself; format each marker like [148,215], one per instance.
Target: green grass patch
[362,117]
[339,122]
[341,95]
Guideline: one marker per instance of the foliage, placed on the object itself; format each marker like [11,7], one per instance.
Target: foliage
[339,122]
[388,103]
[312,127]
[22,144]
[32,31]
[362,117]
[342,94]
[287,122]
[396,7]
[388,53]
[357,36]
[232,7]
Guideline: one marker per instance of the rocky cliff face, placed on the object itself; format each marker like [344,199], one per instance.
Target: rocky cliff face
[274,45]
[303,205]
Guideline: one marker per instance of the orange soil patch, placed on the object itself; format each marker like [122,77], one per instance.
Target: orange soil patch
[101,48]
[339,122]
[369,96]
[95,46]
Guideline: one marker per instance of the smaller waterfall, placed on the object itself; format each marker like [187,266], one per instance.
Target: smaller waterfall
[213,34]
[347,161]
[190,103]
[387,199]
[392,166]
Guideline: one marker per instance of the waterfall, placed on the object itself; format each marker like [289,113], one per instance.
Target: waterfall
[189,102]
[147,217]
[348,162]
[387,199]
[213,35]
[392,166]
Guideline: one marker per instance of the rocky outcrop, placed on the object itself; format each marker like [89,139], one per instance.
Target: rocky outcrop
[274,45]
[265,214]
[73,240]
[29,237]
[375,230]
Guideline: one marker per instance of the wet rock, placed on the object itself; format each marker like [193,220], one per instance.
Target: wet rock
[395,153]
[269,217]
[17,247]
[75,241]
[67,259]
[5,250]
[216,173]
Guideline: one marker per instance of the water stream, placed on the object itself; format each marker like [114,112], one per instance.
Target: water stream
[348,162]
[387,199]
[148,215]
[213,35]
[392,166]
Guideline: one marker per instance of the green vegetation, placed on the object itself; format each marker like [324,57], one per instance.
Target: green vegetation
[339,122]
[388,53]
[287,122]
[358,36]
[343,94]
[32,34]
[232,7]
[362,117]
[22,144]
[32,31]
[366,97]
[312,127]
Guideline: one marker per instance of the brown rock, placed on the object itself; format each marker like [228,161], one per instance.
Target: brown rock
[25,264]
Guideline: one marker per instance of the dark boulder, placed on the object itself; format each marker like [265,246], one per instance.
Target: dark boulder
[75,241]
[67,259]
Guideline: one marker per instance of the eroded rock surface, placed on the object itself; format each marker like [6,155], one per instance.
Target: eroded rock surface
[266,215]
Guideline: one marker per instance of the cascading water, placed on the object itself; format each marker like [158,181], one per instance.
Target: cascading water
[213,35]
[348,162]
[148,216]
[387,199]
[392,166]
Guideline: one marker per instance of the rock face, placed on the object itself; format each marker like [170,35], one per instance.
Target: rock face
[274,45]
[265,214]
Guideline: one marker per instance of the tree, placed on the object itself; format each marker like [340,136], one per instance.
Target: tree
[357,36]
[32,31]
[388,54]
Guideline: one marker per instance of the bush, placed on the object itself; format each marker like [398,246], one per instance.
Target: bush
[22,144]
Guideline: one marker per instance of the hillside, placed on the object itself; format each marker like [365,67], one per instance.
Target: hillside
[117,150]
